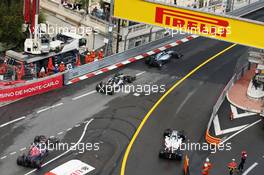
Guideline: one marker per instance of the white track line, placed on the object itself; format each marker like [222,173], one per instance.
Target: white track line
[3,157]
[219,131]
[48,108]
[71,148]
[22,149]
[84,95]
[76,126]
[234,110]
[140,73]
[241,131]
[60,133]
[13,121]
[236,115]
[250,168]
[12,153]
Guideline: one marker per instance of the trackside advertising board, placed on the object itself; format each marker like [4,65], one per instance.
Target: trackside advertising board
[31,89]
[72,167]
[227,28]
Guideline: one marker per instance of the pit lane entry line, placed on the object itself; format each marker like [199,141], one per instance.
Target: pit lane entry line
[71,148]
[129,147]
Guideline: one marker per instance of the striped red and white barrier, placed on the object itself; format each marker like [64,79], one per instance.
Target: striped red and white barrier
[131,60]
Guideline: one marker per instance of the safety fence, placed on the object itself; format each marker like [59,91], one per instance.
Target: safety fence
[237,75]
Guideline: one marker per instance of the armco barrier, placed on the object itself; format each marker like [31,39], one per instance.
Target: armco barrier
[27,89]
[124,56]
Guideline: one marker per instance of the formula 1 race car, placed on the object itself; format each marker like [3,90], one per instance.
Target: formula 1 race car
[171,147]
[161,58]
[37,152]
[110,86]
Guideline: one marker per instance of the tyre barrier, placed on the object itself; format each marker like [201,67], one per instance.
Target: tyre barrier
[212,140]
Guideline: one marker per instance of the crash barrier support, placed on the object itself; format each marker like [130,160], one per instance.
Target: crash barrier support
[186,166]
[238,74]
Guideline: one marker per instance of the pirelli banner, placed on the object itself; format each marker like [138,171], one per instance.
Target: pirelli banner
[227,28]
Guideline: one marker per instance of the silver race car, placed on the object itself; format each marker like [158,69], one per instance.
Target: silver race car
[111,85]
[161,58]
[173,139]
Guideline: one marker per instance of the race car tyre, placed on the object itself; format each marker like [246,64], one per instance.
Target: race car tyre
[182,135]
[177,55]
[54,140]
[179,156]
[37,164]
[111,93]
[98,87]
[147,60]
[20,160]
[161,154]
[129,79]
[167,133]
[39,138]
[159,64]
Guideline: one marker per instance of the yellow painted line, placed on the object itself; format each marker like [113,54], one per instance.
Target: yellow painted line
[124,162]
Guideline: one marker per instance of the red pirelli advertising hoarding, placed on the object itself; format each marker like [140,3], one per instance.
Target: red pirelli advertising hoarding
[31,89]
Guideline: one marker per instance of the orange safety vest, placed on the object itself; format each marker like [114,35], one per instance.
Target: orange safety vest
[93,55]
[62,67]
[3,69]
[100,55]
[232,166]
[206,168]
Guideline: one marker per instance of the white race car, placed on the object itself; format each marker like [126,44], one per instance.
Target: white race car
[172,142]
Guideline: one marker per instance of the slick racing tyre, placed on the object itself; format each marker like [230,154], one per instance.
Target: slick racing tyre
[161,154]
[159,64]
[182,135]
[40,138]
[99,87]
[178,155]
[129,79]
[111,92]
[167,133]
[147,60]
[37,164]
[20,160]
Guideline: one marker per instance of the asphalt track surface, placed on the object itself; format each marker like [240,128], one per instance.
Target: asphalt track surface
[116,118]
[187,108]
